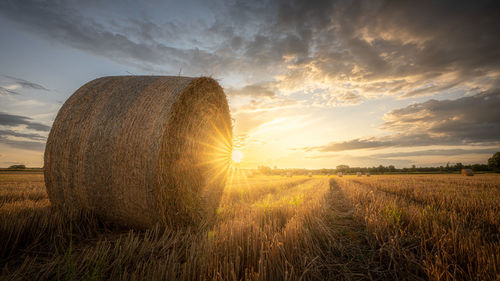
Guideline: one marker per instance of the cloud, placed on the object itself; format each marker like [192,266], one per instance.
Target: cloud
[471,120]
[398,48]
[16,120]
[260,105]
[358,161]
[337,98]
[23,144]
[253,90]
[362,47]
[243,140]
[351,145]
[27,141]
[437,152]
[64,23]
[21,83]
[5,91]
[371,48]
[22,140]
[31,136]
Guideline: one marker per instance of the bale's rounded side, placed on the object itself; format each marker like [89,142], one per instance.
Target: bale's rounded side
[138,150]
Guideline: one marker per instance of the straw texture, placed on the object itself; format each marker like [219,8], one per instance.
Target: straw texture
[140,150]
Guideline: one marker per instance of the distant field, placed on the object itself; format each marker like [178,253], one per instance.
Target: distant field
[387,227]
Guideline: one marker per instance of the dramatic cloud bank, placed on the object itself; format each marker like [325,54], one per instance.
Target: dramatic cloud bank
[16,120]
[14,138]
[472,120]
[432,67]
[338,50]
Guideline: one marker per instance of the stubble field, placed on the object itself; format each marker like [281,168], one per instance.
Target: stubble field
[383,227]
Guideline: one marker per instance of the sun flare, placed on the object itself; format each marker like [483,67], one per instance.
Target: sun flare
[237,156]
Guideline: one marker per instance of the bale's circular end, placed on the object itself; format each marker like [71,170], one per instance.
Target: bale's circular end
[195,154]
[140,150]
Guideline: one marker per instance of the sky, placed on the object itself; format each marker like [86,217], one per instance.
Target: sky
[310,84]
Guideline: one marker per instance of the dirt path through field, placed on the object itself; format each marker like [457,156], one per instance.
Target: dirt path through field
[361,257]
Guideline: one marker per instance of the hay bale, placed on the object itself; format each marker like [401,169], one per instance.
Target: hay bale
[140,150]
[359,174]
[467,172]
[339,174]
[367,174]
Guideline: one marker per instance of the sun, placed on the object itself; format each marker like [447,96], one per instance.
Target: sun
[237,156]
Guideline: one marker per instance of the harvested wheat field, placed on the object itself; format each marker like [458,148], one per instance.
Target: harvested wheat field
[385,227]
[250,140]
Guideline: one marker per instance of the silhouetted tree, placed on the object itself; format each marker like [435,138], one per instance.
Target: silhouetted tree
[265,170]
[342,168]
[17,167]
[494,162]
[380,168]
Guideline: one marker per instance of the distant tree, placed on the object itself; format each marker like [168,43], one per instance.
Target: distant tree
[391,168]
[342,168]
[459,166]
[265,170]
[17,167]
[480,167]
[381,168]
[494,162]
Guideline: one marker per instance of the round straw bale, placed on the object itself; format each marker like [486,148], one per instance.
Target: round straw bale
[467,172]
[141,150]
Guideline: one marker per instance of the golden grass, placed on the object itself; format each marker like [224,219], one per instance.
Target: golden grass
[445,227]
[437,227]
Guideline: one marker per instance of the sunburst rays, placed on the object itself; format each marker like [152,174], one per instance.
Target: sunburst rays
[217,159]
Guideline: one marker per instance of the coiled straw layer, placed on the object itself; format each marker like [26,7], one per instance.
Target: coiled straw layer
[141,150]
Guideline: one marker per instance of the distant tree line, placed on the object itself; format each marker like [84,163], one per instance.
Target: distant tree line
[492,166]
[17,167]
